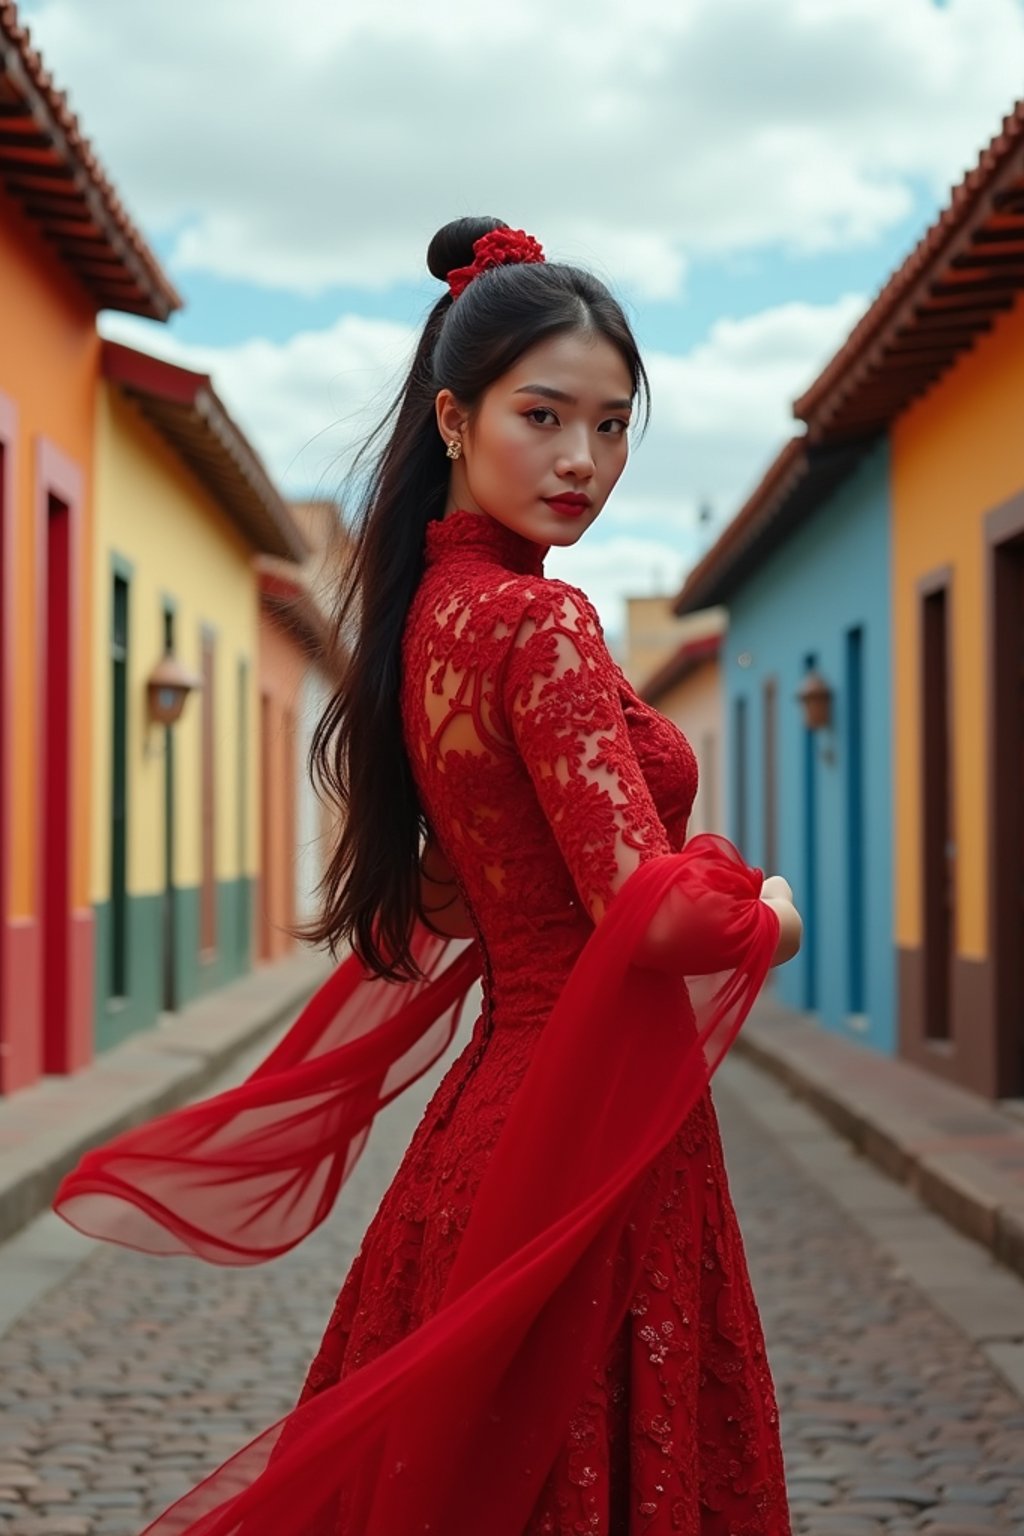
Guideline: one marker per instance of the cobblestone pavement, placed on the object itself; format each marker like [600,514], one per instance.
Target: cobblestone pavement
[130,1377]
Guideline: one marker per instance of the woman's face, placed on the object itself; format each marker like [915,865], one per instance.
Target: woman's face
[554,425]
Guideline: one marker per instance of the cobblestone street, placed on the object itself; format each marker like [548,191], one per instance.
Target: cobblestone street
[129,1377]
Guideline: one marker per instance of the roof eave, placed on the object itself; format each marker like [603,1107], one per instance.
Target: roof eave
[966,270]
[800,476]
[185,409]
[290,602]
[123,272]
[689,658]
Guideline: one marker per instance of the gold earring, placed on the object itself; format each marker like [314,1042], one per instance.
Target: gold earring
[454,449]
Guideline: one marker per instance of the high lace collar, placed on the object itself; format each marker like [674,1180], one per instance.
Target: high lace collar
[466,534]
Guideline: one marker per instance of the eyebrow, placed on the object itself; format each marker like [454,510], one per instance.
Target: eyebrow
[548,393]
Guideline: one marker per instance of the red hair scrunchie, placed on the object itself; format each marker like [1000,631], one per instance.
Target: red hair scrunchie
[498,248]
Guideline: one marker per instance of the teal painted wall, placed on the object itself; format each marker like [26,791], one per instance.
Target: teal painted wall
[831,576]
[119,1017]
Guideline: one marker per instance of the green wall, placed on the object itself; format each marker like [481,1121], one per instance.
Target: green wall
[118,1018]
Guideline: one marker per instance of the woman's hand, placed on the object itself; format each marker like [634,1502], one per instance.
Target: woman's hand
[441,906]
[777,893]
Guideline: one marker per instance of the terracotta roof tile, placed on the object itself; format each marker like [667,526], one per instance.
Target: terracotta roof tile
[794,483]
[48,165]
[687,657]
[966,270]
[185,410]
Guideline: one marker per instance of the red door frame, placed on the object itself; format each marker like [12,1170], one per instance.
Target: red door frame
[66,935]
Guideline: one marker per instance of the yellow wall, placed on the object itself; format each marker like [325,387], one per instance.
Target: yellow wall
[152,512]
[956,454]
[48,365]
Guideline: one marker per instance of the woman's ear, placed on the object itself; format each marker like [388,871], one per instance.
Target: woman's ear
[451,417]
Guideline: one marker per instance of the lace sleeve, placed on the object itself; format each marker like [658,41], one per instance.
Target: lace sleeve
[564,711]
[563,708]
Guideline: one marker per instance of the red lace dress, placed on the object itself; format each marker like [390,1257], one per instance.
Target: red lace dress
[549,1325]
[546,780]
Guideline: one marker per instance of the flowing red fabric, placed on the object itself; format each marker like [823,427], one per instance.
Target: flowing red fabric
[243,1176]
[454,1428]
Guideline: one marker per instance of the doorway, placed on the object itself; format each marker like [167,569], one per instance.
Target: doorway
[7,1040]
[739,766]
[938,851]
[855,824]
[1006,846]
[169,920]
[118,984]
[57,754]
[808,900]
[268,871]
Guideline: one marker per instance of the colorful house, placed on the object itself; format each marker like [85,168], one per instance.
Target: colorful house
[937,363]
[876,578]
[686,687]
[67,250]
[183,507]
[804,570]
[298,671]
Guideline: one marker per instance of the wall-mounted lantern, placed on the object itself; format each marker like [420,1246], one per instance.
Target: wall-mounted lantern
[815,699]
[168,686]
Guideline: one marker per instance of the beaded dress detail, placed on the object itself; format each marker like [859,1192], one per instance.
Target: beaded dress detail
[546,780]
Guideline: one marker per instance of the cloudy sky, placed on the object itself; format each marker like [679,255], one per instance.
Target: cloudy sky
[745,175]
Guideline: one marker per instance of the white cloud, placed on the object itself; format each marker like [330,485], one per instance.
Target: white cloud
[324,144]
[305,402]
[720,412]
[610,569]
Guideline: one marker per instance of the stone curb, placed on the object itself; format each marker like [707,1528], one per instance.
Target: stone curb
[53,1122]
[898,1117]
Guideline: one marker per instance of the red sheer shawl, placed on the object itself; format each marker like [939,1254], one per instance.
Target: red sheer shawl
[456,1426]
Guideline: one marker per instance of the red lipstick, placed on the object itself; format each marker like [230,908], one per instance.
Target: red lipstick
[572,504]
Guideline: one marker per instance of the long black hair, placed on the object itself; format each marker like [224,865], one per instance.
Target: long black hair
[357,759]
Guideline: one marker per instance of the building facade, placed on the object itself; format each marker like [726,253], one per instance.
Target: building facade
[183,506]
[805,572]
[299,670]
[888,544]
[958,558]
[67,249]
[938,363]
[687,688]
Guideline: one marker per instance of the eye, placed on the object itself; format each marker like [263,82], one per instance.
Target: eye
[540,410]
[615,421]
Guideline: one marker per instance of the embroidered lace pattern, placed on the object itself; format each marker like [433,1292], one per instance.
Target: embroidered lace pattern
[546,780]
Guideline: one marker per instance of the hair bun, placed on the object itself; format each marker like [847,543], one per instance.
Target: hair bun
[452,246]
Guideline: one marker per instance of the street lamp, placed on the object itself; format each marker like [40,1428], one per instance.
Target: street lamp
[168,686]
[815,699]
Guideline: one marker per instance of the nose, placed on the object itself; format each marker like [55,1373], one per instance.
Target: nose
[577,456]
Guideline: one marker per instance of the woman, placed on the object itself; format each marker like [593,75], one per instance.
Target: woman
[549,1326]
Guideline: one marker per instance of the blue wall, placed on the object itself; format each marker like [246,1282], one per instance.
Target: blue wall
[831,577]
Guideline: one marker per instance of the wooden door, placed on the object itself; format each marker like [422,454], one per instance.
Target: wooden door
[56,780]
[938,871]
[1007,849]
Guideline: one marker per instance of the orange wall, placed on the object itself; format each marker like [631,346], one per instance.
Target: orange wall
[49,358]
[956,454]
